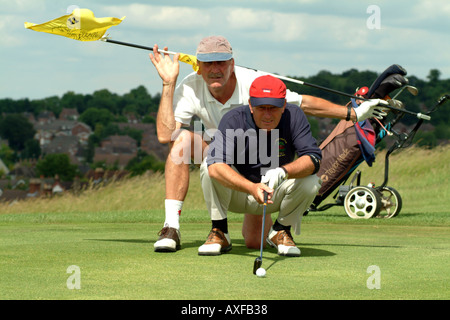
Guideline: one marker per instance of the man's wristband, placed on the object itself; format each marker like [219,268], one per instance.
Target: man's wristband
[349,113]
[285,171]
[316,163]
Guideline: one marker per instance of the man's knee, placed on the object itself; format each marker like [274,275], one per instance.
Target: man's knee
[252,243]
[309,186]
[251,230]
[185,147]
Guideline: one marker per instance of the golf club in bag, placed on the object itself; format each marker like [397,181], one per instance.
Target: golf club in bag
[342,154]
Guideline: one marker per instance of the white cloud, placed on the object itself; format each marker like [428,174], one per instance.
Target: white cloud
[268,25]
[21,5]
[8,31]
[161,17]
[289,37]
[431,10]
[248,19]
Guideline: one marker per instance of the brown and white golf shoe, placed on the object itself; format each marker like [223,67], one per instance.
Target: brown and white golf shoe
[283,241]
[216,243]
[169,240]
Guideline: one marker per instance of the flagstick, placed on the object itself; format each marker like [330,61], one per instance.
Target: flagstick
[134,45]
[105,39]
[419,115]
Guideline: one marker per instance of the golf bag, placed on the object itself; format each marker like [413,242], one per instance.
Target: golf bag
[349,144]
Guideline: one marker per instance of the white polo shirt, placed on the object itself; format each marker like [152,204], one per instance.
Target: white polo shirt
[192,98]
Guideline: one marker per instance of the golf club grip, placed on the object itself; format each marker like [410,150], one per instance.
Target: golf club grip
[423,116]
[129,44]
[266,196]
[400,110]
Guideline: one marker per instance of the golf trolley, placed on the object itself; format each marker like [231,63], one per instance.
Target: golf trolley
[342,155]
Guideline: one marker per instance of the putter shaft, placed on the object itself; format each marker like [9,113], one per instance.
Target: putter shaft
[258,261]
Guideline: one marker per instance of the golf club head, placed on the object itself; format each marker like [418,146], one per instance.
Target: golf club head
[443,99]
[413,90]
[440,102]
[257,264]
[396,103]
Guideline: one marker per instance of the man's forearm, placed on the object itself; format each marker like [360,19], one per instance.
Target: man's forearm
[300,168]
[229,178]
[165,120]
[319,107]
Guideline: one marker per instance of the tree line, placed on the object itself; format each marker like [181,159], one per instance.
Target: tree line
[430,90]
[105,107]
[102,109]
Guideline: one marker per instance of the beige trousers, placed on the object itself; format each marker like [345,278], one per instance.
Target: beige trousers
[291,199]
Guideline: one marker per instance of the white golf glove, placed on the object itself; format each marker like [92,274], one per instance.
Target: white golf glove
[370,109]
[274,177]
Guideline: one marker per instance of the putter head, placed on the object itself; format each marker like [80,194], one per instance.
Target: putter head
[257,264]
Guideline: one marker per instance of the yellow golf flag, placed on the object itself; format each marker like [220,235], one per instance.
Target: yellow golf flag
[81,25]
[192,60]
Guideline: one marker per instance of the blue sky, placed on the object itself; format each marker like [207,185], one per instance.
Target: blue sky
[289,37]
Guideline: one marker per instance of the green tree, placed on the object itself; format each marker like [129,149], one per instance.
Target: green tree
[134,133]
[93,141]
[94,116]
[434,75]
[7,155]
[425,139]
[137,100]
[71,100]
[32,149]
[144,162]
[57,164]
[148,119]
[103,99]
[17,130]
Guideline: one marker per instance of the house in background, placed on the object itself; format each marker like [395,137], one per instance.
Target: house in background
[149,142]
[46,132]
[116,150]
[45,117]
[69,114]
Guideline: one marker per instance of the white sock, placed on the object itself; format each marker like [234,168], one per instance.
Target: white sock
[173,213]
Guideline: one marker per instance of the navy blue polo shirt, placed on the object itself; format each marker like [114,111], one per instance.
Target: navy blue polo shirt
[252,151]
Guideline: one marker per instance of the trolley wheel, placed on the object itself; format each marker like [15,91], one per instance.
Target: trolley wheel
[391,202]
[362,203]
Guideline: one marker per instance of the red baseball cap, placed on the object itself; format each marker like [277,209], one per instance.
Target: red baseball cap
[268,90]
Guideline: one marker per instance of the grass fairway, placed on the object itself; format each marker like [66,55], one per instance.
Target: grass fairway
[113,249]
[117,261]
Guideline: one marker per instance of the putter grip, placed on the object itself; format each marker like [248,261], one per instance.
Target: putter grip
[266,195]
